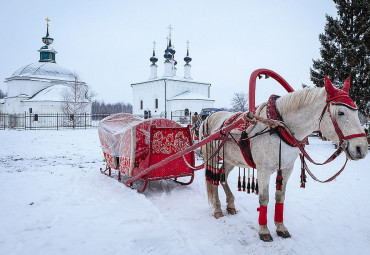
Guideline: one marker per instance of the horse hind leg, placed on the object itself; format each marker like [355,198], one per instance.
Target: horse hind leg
[230,199]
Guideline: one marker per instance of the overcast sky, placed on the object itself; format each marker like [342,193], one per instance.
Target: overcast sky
[109,43]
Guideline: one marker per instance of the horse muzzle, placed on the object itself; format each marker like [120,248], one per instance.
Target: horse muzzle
[356,151]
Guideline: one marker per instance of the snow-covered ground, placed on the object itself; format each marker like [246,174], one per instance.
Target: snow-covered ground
[53,200]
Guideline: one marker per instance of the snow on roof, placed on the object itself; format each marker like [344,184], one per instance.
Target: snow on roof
[189,95]
[52,93]
[173,78]
[44,70]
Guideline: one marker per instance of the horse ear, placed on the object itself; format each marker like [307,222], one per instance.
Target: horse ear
[346,85]
[330,90]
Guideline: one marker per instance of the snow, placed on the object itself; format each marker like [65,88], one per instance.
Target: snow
[54,200]
[44,70]
[189,95]
[173,78]
[52,93]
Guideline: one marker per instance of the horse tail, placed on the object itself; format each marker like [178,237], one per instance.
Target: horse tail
[203,130]
[211,192]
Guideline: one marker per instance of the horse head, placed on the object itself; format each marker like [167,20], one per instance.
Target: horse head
[340,122]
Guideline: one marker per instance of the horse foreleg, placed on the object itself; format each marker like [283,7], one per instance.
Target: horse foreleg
[281,230]
[263,181]
[229,195]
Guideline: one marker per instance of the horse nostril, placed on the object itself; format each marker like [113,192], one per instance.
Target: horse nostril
[359,151]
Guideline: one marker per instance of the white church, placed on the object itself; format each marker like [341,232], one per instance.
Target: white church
[170,93]
[38,88]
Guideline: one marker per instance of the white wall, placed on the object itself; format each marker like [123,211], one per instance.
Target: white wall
[149,91]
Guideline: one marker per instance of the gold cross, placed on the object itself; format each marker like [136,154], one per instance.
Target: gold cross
[47,22]
[170,28]
[187,42]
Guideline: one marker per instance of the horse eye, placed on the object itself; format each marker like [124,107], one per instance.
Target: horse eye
[340,113]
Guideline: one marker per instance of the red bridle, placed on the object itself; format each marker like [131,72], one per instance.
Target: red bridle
[339,132]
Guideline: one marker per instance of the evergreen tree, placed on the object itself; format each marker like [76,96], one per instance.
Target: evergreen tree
[345,51]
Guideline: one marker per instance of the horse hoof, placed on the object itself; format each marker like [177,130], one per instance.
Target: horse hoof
[218,215]
[266,237]
[283,234]
[231,211]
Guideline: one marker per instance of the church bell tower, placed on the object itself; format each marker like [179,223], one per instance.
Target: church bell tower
[47,53]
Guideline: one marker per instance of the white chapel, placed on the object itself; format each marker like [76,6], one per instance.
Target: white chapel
[159,96]
[38,87]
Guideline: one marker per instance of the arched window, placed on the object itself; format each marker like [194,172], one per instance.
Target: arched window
[186,112]
[141,104]
[146,114]
[156,103]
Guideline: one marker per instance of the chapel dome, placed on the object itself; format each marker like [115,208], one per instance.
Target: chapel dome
[46,70]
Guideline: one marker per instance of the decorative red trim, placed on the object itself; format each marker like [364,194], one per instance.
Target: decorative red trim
[353,136]
[279,212]
[335,97]
[262,219]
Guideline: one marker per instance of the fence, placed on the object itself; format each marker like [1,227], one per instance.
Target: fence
[181,116]
[57,121]
[50,121]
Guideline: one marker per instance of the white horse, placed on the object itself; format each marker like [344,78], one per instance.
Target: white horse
[303,112]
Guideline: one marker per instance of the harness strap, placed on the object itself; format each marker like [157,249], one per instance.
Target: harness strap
[353,136]
[314,177]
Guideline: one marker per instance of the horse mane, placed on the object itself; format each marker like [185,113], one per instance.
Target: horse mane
[298,99]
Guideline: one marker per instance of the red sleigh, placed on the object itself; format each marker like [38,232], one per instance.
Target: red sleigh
[131,145]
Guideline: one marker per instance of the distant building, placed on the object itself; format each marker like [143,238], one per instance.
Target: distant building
[159,96]
[39,87]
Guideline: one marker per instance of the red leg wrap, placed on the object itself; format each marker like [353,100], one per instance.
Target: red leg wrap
[262,219]
[279,212]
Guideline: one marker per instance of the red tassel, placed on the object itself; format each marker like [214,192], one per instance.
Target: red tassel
[253,185]
[279,180]
[208,173]
[222,176]
[244,181]
[303,174]
[249,185]
[239,183]
[303,181]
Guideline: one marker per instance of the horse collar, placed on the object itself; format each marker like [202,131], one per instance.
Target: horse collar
[273,113]
[271,110]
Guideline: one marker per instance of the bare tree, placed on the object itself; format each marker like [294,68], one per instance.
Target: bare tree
[239,102]
[76,98]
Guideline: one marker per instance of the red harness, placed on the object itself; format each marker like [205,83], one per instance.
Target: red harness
[345,100]
[273,113]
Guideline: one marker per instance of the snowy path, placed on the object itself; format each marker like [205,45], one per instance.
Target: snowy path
[54,201]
